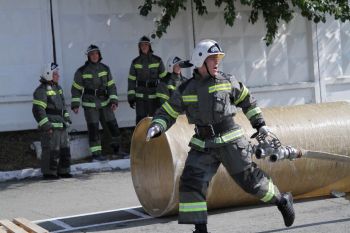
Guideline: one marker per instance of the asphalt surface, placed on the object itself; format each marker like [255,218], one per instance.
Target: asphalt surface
[89,195]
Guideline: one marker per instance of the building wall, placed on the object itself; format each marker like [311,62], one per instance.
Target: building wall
[307,63]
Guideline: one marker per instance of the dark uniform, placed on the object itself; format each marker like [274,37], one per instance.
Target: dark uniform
[168,85]
[93,83]
[146,70]
[50,112]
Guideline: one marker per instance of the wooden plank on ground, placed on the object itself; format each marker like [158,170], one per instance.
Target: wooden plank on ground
[29,226]
[11,227]
[2,229]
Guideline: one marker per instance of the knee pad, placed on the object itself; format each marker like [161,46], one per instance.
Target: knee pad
[94,134]
[250,179]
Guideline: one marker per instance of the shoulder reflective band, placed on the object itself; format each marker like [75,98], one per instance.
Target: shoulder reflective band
[220,87]
[153,65]
[163,96]
[193,206]
[102,73]
[131,77]
[131,92]
[243,95]
[43,121]
[110,83]
[161,122]
[166,106]
[138,66]
[162,75]
[190,98]
[77,86]
[87,76]
[51,93]
[253,112]
[40,103]
[270,193]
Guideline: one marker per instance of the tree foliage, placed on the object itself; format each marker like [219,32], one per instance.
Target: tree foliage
[272,11]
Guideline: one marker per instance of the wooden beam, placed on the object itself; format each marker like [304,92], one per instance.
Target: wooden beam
[29,226]
[11,227]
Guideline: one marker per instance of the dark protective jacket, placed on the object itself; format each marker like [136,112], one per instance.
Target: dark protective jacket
[168,85]
[49,107]
[144,75]
[210,101]
[94,83]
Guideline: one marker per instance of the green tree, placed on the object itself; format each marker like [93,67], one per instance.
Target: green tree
[272,11]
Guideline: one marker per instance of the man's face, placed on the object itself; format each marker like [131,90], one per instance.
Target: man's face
[212,62]
[94,56]
[144,46]
[55,76]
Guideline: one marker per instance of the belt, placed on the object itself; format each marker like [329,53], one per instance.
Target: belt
[54,112]
[147,83]
[214,130]
[95,92]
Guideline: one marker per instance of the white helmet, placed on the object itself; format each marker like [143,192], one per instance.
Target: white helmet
[203,49]
[48,71]
[173,60]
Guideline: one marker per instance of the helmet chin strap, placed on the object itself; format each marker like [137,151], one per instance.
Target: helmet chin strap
[208,70]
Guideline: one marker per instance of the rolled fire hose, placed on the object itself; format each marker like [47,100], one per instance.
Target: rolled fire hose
[157,165]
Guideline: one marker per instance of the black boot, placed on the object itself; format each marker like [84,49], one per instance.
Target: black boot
[201,228]
[285,205]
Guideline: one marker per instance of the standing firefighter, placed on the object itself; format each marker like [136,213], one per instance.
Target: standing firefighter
[172,80]
[209,100]
[93,83]
[145,72]
[50,112]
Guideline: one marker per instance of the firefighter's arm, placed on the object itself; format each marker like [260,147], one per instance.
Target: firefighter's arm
[162,92]
[77,89]
[132,86]
[161,70]
[112,89]
[65,112]
[39,106]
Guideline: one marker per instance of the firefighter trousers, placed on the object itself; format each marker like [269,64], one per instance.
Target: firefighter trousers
[201,166]
[55,157]
[93,117]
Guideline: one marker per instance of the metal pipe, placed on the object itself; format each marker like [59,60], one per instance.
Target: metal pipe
[156,166]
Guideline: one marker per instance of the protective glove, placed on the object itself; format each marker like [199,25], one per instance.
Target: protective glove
[264,130]
[154,131]
[132,104]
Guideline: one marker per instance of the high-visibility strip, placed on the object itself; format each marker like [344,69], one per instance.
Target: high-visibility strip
[171,87]
[253,112]
[152,96]
[57,125]
[131,77]
[76,100]
[162,75]
[77,86]
[40,103]
[220,87]
[86,76]
[193,207]
[270,193]
[51,93]
[197,142]
[90,105]
[114,97]
[153,65]
[95,149]
[163,96]
[60,92]
[105,103]
[138,66]
[66,114]
[131,92]
[102,73]
[139,95]
[161,122]
[43,121]
[110,83]
[166,106]
[190,98]
[232,135]
[242,96]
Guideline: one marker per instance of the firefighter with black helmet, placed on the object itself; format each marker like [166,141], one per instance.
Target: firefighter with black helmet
[209,100]
[50,112]
[145,72]
[94,88]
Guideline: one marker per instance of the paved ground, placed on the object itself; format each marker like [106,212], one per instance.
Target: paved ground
[37,200]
